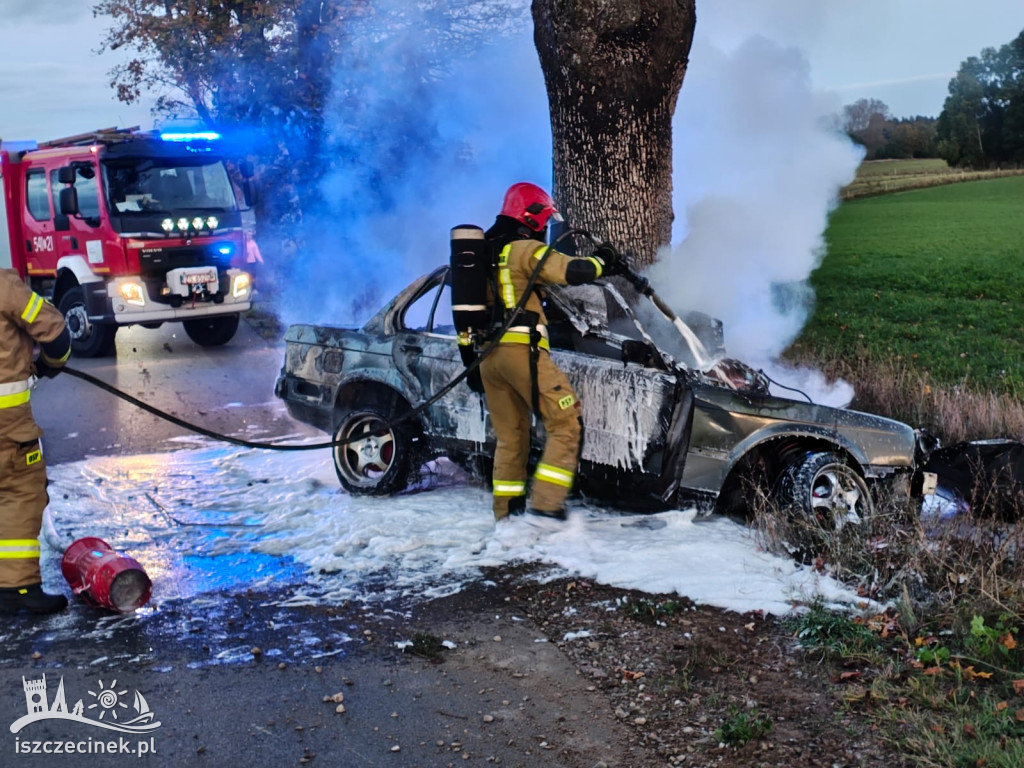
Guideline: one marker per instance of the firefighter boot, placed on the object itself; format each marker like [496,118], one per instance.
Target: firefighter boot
[505,507]
[558,514]
[30,598]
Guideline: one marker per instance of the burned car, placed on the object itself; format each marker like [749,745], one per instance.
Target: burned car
[668,420]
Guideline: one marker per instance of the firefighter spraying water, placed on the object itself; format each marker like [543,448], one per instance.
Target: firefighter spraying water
[497,277]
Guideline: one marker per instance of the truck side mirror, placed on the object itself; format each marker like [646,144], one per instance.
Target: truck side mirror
[68,201]
[248,171]
[66,175]
[249,192]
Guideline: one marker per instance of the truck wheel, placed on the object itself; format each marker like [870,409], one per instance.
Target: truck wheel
[212,331]
[87,339]
[828,503]
[377,461]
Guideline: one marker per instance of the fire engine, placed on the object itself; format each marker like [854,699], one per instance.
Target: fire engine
[122,227]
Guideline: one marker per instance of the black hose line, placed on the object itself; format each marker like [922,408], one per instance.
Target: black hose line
[188,425]
[387,426]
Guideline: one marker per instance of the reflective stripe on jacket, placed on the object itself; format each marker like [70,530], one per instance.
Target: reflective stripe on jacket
[15,393]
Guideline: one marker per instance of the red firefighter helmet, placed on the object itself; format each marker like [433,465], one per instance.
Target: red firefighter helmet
[529,204]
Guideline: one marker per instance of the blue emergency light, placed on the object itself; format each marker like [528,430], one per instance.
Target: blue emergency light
[190,136]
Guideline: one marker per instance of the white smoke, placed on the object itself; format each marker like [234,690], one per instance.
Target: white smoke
[757,169]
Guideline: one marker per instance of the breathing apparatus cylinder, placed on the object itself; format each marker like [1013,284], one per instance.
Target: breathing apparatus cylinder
[105,578]
[470,274]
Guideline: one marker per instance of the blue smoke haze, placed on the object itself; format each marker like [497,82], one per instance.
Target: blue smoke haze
[416,154]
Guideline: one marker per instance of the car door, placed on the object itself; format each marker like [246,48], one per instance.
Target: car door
[427,357]
[637,410]
[627,410]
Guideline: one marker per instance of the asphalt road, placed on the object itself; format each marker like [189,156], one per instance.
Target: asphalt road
[228,389]
[238,679]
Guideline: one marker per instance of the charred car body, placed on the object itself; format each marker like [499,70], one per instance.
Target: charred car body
[662,427]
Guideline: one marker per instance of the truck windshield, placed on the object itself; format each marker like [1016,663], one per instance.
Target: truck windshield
[150,185]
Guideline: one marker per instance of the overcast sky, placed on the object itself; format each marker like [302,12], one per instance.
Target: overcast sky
[54,83]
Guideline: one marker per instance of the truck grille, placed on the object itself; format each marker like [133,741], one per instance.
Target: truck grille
[164,259]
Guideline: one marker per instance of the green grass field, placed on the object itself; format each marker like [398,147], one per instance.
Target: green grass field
[933,276]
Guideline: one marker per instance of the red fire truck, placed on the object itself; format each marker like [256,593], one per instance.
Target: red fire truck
[120,227]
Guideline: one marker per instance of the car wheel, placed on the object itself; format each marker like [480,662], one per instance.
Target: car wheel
[212,331]
[827,501]
[377,460]
[88,339]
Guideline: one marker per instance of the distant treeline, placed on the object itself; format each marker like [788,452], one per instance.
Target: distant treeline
[981,125]
[883,137]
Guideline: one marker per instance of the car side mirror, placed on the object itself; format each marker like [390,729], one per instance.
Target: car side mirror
[66,174]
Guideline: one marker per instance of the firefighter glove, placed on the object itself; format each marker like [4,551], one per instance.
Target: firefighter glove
[42,369]
[614,263]
[641,283]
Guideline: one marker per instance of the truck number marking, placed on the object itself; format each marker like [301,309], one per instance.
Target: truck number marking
[42,243]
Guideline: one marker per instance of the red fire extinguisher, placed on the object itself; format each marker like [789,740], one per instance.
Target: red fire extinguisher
[103,577]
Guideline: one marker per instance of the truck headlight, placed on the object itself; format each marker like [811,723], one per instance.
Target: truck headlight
[240,285]
[133,293]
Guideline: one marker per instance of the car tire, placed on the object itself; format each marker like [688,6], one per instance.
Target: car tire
[379,460]
[88,339]
[827,503]
[212,331]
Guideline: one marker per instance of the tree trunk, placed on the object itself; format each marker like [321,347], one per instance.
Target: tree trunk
[613,70]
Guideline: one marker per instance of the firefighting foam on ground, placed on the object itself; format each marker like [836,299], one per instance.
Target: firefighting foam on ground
[213,518]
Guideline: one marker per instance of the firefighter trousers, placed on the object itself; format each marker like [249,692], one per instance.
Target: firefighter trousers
[508,387]
[22,501]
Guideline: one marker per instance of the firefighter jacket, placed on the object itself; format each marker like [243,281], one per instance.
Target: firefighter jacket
[25,320]
[516,264]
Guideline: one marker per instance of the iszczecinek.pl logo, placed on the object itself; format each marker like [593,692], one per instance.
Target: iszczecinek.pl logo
[110,710]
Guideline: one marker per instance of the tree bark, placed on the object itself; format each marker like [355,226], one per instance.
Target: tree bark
[613,70]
